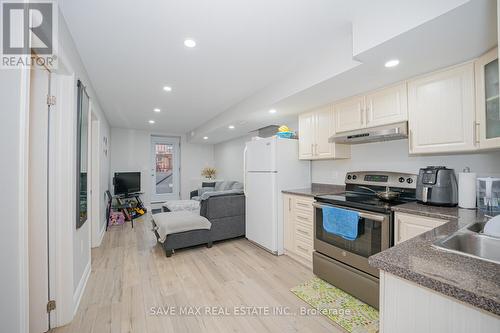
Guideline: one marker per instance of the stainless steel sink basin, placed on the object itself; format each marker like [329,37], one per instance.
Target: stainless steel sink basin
[471,242]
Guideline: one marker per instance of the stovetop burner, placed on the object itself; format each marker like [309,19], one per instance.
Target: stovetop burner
[362,201]
[357,194]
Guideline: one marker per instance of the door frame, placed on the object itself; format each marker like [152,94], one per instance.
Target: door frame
[176,171]
[97,230]
[63,160]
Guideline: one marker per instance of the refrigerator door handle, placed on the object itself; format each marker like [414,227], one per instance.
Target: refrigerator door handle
[245,171]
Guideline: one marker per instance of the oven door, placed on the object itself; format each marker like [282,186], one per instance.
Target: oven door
[375,230]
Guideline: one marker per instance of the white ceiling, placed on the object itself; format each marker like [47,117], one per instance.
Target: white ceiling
[253,55]
[131,49]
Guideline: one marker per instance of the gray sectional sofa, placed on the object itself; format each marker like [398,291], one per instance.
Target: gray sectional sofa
[223,204]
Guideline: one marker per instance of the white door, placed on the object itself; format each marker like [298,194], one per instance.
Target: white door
[487,101]
[442,112]
[387,106]
[306,136]
[38,201]
[323,131]
[165,168]
[349,114]
[261,155]
[261,209]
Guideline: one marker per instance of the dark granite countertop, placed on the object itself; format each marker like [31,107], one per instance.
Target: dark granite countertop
[317,189]
[470,280]
[430,211]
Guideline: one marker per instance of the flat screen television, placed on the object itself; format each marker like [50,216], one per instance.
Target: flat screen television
[127,182]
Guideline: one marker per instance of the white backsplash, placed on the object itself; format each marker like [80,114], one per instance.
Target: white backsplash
[393,156]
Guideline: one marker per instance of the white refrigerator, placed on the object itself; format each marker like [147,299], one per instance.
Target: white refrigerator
[271,165]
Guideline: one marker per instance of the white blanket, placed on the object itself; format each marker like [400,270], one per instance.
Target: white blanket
[174,222]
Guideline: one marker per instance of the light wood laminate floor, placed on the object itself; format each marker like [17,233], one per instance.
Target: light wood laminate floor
[130,275]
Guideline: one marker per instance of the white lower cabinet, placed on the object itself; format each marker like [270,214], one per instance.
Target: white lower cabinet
[410,308]
[408,226]
[298,218]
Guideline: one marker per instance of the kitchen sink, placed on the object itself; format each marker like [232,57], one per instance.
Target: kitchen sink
[470,241]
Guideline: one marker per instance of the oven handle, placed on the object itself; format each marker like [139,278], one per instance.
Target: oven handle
[373,217]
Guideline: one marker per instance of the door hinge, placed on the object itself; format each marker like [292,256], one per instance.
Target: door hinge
[51,306]
[51,100]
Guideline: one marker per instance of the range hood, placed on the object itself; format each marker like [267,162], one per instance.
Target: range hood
[374,134]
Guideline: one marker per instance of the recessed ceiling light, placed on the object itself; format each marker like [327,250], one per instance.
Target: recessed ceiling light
[189,43]
[392,63]
[156,110]
[151,121]
[205,138]
[167,88]
[272,111]
[231,127]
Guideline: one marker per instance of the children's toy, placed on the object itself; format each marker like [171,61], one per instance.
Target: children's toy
[285,132]
[116,218]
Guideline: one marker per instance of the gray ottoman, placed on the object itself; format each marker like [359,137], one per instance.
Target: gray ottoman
[175,230]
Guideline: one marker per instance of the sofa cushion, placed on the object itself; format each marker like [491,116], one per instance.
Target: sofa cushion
[224,185]
[237,186]
[174,222]
[205,189]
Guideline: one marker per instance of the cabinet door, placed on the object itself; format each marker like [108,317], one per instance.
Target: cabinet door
[306,136]
[349,114]
[387,106]
[288,222]
[408,226]
[323,131]
[441,111]
[487,101]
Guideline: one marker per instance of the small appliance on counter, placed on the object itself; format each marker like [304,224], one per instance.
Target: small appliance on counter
[437,185]
[488,194]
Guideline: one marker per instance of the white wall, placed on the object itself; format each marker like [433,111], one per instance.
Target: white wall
[393,156]
[81,237]
[10,178]
[131,151]
[229,158]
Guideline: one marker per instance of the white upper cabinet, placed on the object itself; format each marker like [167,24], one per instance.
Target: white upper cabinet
[381,107]
[442,112]
[349,114]
[306,136]
[324,130]
[315,128]
[487,101]
[387,106]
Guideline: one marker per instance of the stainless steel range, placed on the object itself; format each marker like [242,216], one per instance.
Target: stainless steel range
[343,262]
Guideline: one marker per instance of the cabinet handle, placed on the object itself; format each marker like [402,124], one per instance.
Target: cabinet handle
[477,128]
[410,139]
[315,149]
[289,204]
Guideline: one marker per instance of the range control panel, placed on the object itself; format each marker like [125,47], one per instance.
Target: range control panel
[382,178]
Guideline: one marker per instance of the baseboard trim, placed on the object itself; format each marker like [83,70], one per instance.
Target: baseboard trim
[101,236]
[77,296]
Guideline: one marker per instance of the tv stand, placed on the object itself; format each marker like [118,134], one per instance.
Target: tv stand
[133,207]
